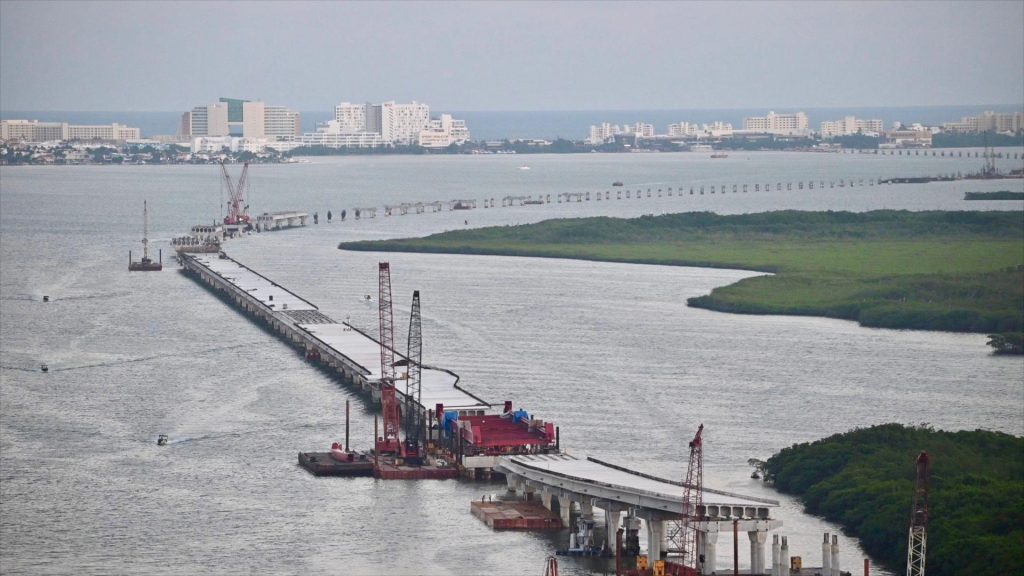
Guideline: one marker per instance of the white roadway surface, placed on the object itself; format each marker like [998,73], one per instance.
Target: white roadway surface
[597,473]
[260,288]
[436,386]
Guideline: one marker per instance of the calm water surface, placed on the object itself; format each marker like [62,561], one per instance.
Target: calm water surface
[610,352]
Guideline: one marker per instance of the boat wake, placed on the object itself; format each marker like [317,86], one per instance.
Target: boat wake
[146,358]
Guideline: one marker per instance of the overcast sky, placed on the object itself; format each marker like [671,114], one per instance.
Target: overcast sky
[147,55]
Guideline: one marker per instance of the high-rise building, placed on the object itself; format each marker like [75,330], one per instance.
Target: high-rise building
[401,124]
[253,120]
[387,124]
[280,123]
[210,120]
[242,118]
[781,124]
[351,118]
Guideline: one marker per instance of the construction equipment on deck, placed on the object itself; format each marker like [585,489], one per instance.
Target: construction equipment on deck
[683,532]
[388,442]
[238,212]
[413,384]
[917,545]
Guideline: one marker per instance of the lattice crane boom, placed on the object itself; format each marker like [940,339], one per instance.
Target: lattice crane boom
[683,533]
[389,442]
[236,211]
[918,539]
[413,383]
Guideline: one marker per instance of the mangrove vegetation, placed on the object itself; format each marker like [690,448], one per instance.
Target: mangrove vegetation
[952,271]
[864,481]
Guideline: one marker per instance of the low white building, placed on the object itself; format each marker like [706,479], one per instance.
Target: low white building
[36,131]
[211,144]
[444,132]
[335,134]
[851,125]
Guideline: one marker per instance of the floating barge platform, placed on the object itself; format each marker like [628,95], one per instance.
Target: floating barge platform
[321,464]
[515,515]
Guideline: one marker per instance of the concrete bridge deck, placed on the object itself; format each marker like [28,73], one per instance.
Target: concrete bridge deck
[563,479]
[352,352]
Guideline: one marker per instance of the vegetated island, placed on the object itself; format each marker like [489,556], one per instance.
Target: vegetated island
[864,481]
[1000,195]
[952,271]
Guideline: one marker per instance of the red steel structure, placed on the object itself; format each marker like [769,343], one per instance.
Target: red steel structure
[237,210]
[918,541]
[388,442]
[684,534]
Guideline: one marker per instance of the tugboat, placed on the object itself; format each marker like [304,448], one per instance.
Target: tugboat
[146,264]
[161,440]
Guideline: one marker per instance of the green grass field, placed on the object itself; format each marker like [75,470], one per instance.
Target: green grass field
[956,271]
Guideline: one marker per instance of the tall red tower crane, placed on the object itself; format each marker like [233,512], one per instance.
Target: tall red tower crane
[683,534]
[388,443]
[413,383]
[918,541]
[238,211]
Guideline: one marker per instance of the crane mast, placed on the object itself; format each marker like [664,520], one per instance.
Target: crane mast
[388,443]
[145,231]
[413,381]
[918,540]
[683,534]
[237,212]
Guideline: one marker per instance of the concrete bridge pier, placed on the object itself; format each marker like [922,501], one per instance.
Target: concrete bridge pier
[757,540]
[707,544]
[565,510]
[612,517]
[655,537]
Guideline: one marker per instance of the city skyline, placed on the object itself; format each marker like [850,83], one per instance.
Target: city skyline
[154,56]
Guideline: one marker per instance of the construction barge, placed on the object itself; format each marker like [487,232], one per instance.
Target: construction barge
[461,432]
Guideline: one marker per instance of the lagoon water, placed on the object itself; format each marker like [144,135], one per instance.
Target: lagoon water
[610,352]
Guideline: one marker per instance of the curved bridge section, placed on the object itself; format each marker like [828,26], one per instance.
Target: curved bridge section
[562,479]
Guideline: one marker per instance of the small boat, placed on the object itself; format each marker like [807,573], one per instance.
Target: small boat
[46,298]
[720,155]
[754,475]
[44,368]
[524,167]
[161,440]
[617,183]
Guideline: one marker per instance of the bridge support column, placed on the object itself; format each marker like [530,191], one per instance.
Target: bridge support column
[545,499]
[565,510]
[587,507]
[512,481]
[612,516]
[655,536]
[776,553]
[757,540]
[708,546]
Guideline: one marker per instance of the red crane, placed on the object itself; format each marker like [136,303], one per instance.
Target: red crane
[388,443]
[918,540]
[237,209]
[684,534]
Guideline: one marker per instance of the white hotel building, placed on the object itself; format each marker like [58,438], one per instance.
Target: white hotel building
[779,124]
[35,131]
[850,125]
[387,124]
